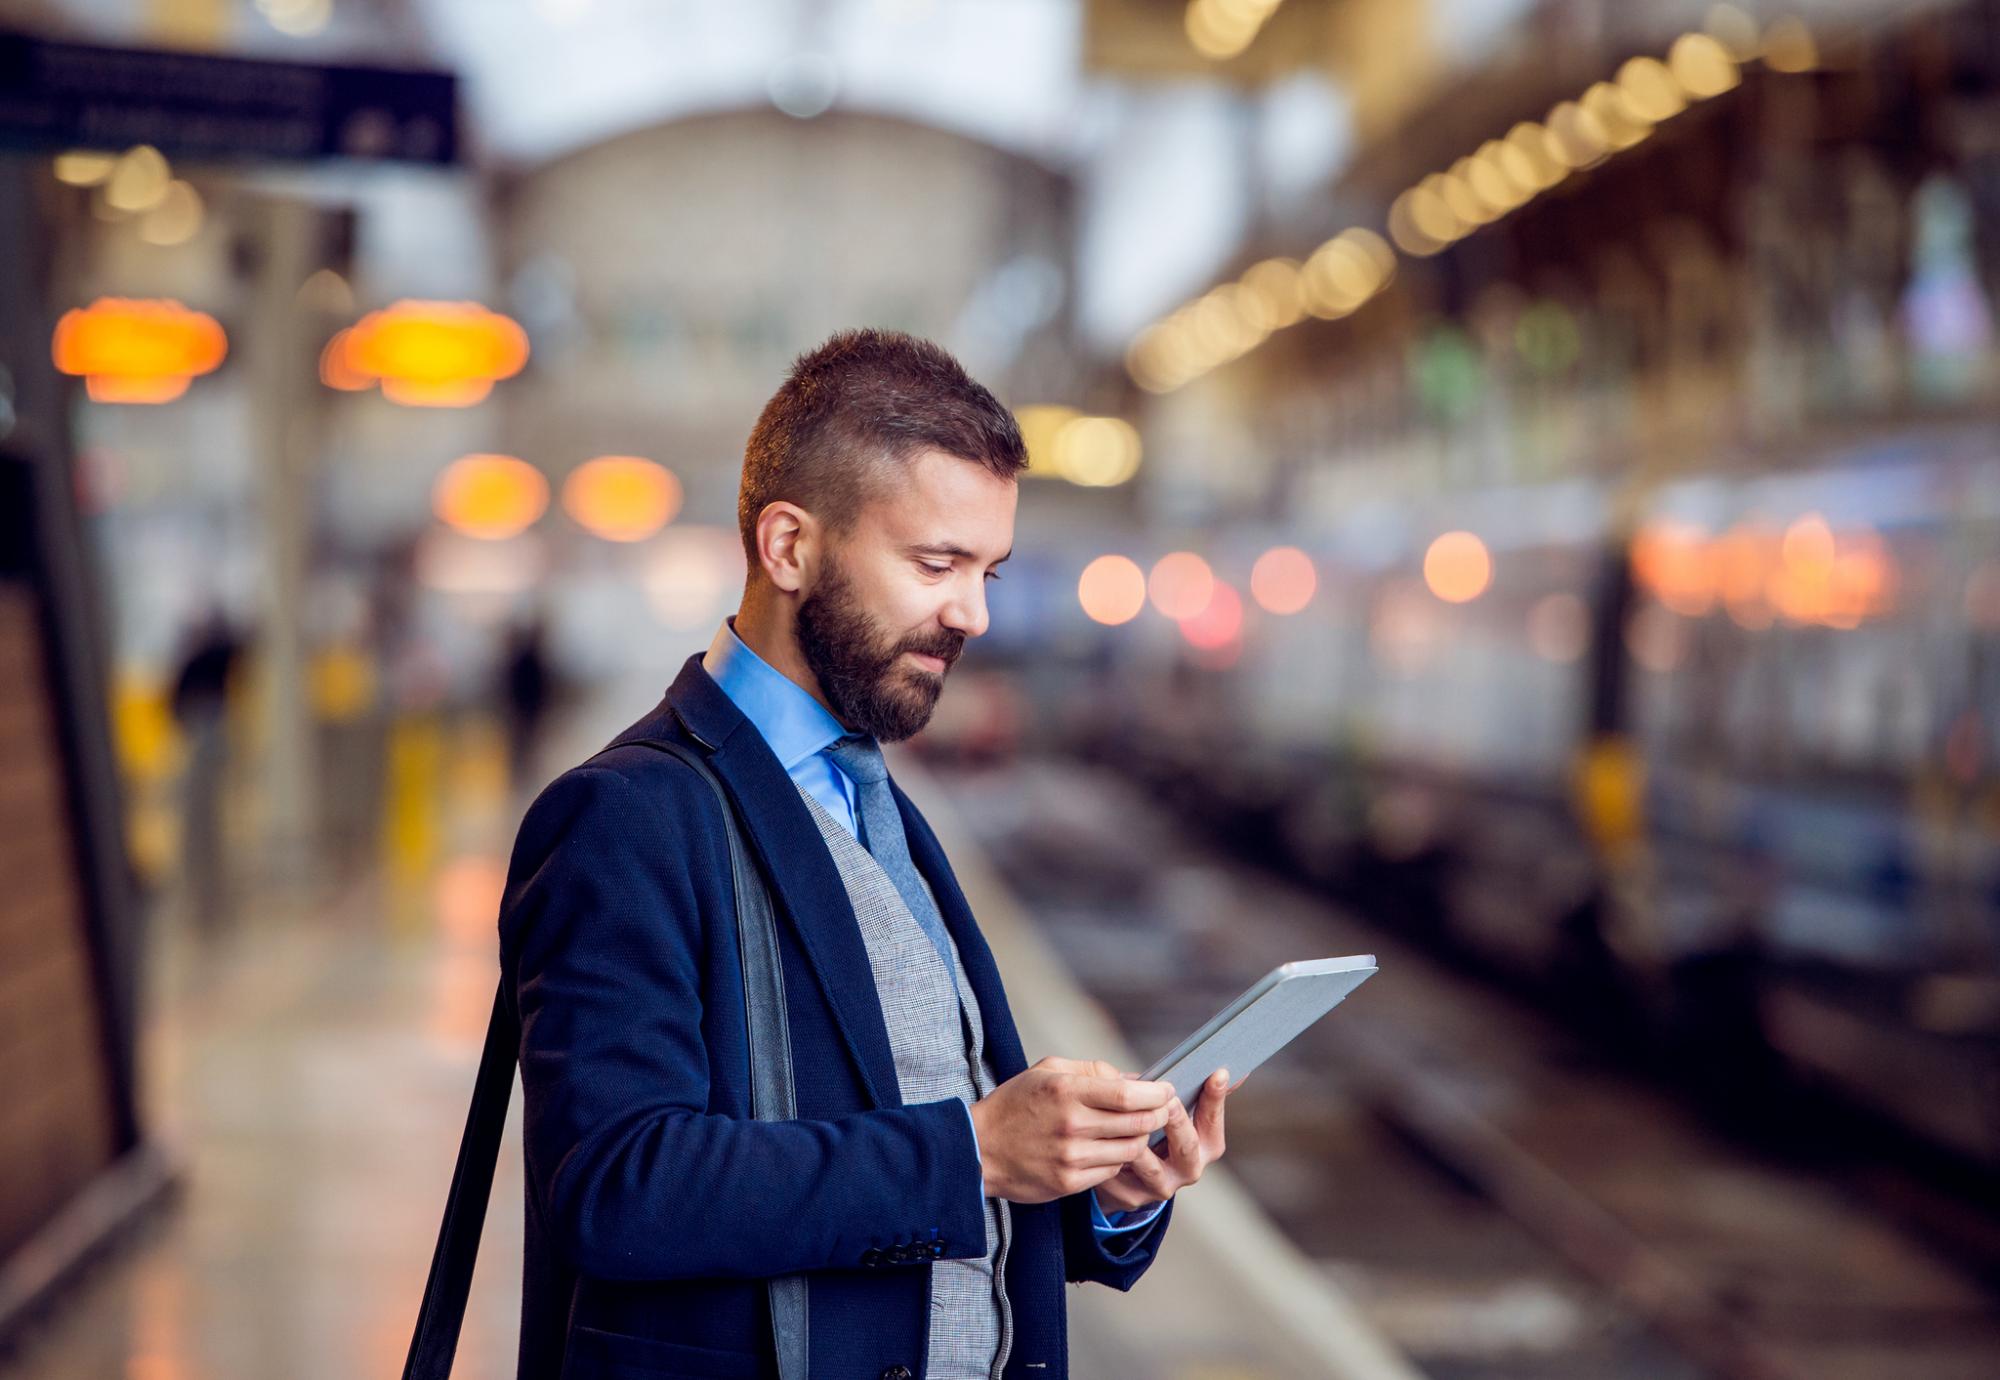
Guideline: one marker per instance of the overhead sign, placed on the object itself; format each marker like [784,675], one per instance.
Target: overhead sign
[194,105]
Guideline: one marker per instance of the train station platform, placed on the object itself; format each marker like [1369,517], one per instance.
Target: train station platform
[310,1068]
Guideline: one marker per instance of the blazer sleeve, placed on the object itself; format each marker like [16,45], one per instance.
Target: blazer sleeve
[1116,1259]
[601,935]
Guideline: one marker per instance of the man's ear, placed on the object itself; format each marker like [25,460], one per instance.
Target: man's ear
[788,540]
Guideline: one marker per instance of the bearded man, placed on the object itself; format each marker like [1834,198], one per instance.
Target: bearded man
[933,1190]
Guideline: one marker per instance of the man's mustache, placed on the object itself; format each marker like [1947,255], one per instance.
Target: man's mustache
[946,646]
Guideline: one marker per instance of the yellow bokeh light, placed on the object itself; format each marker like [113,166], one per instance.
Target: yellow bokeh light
[1702,66]
[1651,92]
[84,167]
[1273,293]
[1466,207]
[1039,423]
[1531,162]
[1410,237]
[1180,584]
[1623,126]
[1457,567]
[1097,452]
[139,180]
[1789,46]
[1112,590]
[1222,328]
[1338,278]
[1492,174]
[1577,138]
[1734,29]
[1221,29]
[1283,580]
[490,496]
[622,497]
[176,220]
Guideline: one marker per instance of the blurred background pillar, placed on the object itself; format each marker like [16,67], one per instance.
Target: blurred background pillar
[282,410]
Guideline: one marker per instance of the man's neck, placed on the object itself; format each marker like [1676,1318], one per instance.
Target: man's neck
[765,625]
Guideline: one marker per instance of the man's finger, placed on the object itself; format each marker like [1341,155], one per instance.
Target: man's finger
[1151,1171]
[1208,1113]
[1183,1141]
[1115,1124]
[1093,1154]
[1123,1094]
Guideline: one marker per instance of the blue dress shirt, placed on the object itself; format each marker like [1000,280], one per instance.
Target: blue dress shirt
[799,729]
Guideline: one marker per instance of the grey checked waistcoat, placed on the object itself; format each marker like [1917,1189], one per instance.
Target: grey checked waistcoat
[939,1044]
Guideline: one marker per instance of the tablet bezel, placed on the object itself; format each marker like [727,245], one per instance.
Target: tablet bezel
[1284,972]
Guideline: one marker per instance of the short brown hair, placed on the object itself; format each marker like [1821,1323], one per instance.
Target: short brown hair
[863,401]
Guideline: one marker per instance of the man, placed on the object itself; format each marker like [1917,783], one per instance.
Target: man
[935,1190]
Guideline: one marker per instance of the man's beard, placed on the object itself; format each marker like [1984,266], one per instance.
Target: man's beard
[859,668]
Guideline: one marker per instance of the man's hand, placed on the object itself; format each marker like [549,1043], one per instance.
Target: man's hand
[1193,1143]
[1063,1126]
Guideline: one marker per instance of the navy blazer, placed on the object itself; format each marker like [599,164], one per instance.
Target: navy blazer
[656,1205]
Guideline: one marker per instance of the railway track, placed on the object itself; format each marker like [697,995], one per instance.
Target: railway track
[1500,1199]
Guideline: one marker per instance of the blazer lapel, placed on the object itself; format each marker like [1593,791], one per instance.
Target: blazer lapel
[1003,1042]
[802,874]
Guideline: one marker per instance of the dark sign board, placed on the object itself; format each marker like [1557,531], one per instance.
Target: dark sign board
[193,105]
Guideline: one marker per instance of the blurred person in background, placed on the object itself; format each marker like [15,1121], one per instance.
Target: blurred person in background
[200,702]
[934,1190]
[526,685]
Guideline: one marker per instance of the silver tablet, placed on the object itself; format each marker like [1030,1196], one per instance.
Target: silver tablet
[1276,1009]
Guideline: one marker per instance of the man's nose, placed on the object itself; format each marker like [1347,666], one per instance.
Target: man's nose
[966,613]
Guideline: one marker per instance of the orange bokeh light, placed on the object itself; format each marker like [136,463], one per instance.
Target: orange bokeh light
[1180,585]
[622,497]
[130,350]
[1678,565]
[1112,590]
[1457,567]
[1833,579]
[490,496]
[334,370]
[428,354]
[1220,621]
[1283,580]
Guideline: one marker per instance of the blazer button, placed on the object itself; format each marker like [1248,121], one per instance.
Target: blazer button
[871,1256]
[896,1373]
[937,1250]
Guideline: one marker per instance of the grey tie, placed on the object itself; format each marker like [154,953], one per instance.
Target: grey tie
[860,756]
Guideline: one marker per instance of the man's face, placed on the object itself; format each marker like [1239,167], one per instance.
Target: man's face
[896,596]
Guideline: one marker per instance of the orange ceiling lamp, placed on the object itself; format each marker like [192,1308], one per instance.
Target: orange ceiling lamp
[133,350]
[491,497]
[427,354]
[622,497]
[334,370]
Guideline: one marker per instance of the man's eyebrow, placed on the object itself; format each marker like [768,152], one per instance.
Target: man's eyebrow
[945,548]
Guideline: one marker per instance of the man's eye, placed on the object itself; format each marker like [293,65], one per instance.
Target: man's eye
[934,569]
[992,574]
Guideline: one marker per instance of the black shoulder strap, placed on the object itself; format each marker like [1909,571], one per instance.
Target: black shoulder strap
[443,1309]
[442,1312]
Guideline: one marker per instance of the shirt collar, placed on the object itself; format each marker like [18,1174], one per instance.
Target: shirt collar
[793,723]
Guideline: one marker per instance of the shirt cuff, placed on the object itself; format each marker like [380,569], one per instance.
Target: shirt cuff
[1127,1221]
[978,1164]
